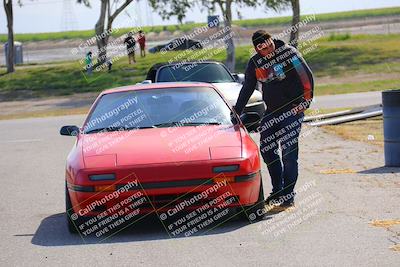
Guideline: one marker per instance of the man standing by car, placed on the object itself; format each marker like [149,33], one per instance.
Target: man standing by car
[287,87]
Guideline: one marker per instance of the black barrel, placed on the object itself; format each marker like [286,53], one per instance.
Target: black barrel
[391,127]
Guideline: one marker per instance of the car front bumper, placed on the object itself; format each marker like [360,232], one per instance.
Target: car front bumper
[240,194]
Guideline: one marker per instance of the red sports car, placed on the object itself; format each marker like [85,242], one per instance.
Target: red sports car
[162,148]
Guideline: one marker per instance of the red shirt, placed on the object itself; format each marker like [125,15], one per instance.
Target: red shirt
[142,40]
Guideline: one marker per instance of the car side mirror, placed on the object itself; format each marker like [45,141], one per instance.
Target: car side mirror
[146,82]
[234,118]
[69,130]
[250,119]
[239,77]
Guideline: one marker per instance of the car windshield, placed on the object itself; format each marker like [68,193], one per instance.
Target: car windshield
[156,108]
[197,72]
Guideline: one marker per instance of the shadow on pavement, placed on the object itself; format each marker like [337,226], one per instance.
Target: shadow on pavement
[381,170]
[53,231]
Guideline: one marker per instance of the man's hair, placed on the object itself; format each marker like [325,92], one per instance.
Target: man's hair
[259,37]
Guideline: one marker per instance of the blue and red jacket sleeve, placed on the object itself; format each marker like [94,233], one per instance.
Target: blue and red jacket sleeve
[306,77]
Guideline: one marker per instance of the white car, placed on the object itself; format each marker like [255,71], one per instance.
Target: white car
[213,72]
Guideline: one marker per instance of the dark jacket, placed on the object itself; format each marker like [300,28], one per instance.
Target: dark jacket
[130,41]
[286,80]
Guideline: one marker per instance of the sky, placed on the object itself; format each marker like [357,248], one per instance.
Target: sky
[60,15]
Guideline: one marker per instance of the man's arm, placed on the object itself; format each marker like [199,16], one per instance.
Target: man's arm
[250,82]
[305,75]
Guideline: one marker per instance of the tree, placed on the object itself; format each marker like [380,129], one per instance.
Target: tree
[226,9]
[168,8]
[8,8]
[279,5]
[171,8]
[108,13]
[294,35]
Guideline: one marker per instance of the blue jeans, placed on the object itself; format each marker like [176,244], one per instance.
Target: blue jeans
[280,150]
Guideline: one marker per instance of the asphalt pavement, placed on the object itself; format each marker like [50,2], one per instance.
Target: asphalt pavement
[347,100]
[346,197]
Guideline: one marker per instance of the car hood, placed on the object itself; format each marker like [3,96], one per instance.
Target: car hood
[231,92]
[161,145]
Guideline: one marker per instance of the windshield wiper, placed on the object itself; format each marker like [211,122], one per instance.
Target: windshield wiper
[160,125]
[104,129]
[178,123]
[113,129]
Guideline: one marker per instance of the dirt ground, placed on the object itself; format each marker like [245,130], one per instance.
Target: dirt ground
[42,106]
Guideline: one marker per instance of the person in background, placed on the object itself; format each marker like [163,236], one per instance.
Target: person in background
[130,43]
[109,64]
[142,43]
[89,63]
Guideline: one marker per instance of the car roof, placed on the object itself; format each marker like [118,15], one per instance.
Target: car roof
[161,85]
[153,69]
[162,64]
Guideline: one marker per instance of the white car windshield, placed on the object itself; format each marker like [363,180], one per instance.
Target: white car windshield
[196,72]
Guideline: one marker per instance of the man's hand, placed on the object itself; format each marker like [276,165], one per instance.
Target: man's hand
[233,116]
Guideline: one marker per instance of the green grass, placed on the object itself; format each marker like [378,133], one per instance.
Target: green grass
[67,78]
[339,37]
[326,17]
[24,37]
[358,54]
[86,34]
[357,87]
